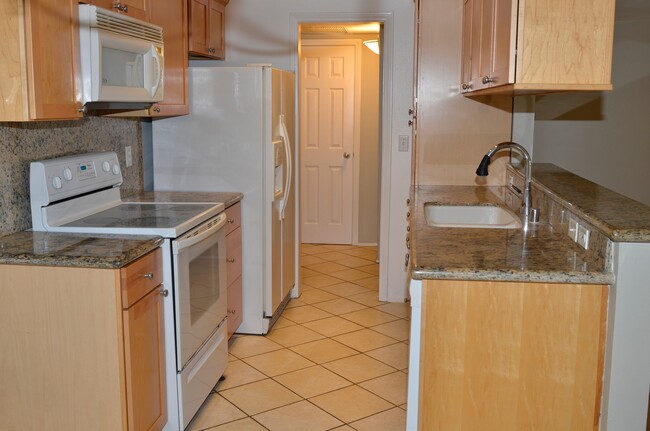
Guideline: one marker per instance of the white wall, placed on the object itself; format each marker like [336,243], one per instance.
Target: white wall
[605,137]
[262,31]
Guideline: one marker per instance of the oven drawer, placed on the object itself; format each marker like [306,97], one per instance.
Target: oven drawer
[140,276]
[233,256]
[234,217]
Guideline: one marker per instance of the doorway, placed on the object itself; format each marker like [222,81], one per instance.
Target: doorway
[339,97]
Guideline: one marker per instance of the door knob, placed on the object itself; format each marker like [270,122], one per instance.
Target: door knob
[346,155]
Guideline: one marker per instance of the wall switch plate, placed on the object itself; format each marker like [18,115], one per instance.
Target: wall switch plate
[583,237]
[403,145]
[572,231]
[128,158]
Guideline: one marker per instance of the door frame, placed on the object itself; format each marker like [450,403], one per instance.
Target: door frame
[356,144]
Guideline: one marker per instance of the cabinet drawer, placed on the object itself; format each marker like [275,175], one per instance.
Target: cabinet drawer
[234,306]
[233,215]
[140,277]
[233,255]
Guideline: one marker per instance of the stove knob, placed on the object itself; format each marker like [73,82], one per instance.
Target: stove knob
[67,174]
[106,167]
[116,169]
[56,182]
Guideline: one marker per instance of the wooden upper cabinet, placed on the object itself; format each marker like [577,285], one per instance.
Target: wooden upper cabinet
[207,28]
[537,46]
[134,8]
[40,67]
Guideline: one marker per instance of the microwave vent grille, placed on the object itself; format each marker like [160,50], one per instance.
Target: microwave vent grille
[111,21]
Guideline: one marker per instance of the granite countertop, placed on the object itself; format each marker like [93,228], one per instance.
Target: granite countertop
[620,218]
[74,250]
[227,198]
[540,255]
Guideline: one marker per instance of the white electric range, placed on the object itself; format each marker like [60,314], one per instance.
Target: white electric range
[82,194]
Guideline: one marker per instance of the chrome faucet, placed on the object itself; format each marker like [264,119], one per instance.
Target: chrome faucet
[482,171]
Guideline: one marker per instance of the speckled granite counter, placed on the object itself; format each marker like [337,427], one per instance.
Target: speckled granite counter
[620,218]
[74,250]
[541,255]
[228,198]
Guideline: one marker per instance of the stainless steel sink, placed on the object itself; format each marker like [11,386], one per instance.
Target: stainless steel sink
[471,216]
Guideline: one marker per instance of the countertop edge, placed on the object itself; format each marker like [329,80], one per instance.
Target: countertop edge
[513,276]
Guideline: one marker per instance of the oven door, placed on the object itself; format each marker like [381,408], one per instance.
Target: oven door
[199,258]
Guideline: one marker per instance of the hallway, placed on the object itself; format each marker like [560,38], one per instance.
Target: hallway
[336,360]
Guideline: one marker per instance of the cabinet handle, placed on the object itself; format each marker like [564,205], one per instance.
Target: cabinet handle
[121,7]
[230,259]
[212,50]
[487,80]
[466,86]
[230,220]
[156,109]
[148,275]
[164,293]
[83,109]
[232,311]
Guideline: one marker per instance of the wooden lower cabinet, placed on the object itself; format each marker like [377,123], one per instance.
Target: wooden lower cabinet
[234,267]
[80,354]
[511,356]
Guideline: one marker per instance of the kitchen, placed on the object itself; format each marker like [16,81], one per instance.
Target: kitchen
[247,28]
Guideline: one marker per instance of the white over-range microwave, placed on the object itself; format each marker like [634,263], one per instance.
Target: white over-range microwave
[121,59]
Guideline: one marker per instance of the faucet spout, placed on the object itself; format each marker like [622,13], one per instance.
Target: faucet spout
[482,171]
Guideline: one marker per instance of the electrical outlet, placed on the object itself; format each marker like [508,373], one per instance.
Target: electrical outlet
[572,231]
[403,145]
[128,158]
[583,237]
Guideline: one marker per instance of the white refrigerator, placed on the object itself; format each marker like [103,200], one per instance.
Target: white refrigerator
[239,136]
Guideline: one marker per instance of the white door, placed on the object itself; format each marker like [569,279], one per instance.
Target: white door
[327,135]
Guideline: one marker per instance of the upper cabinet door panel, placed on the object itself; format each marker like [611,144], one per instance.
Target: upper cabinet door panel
[217,29]
[134,8]
[207,28]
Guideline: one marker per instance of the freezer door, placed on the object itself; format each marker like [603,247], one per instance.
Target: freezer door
[289,205]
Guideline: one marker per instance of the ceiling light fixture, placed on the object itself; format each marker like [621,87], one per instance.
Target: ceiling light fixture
[372,45]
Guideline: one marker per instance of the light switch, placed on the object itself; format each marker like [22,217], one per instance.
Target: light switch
[403,143]
[128,158]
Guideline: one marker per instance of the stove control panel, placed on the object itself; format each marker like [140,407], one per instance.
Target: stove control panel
[64,177]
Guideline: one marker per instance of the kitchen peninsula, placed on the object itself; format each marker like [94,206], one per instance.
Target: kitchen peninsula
[508,326]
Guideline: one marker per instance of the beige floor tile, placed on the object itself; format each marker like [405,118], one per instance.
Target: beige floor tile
[351,403]
[344,428]
[305,272]
[332,256]
[365,340]
[306,313]
[359,368]
[392,387]
[369,317]
[293,335]
[396,355]
[242,346]
[311,260]
[298,417]
[239,373]
[283,323]
[371,283]
[332,326]
[344,289]
[320,280]
[316,295]
[403,407]
[216,410]
[391,420]
[349,274]
[327,267]
[399,309]
[295,302]
[397,329]
[338,247]
[246,424]
[278,362]
[312,249]
[325,350]
[362,252]
[370,269]
[259,397]
[365,297]
[312,381]
[232,358]
[339,306]
[356,262]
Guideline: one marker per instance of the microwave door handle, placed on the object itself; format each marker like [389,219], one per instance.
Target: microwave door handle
[187,242]
[156,59]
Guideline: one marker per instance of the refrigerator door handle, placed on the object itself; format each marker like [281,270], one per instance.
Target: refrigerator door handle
[289,164]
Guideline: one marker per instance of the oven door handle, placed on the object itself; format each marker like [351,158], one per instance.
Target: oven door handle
[219,222]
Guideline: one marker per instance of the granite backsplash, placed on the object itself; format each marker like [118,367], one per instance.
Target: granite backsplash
[22,143]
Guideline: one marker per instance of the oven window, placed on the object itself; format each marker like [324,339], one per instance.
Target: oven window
[204,283]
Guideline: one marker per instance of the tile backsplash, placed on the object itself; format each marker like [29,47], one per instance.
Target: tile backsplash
[22,143]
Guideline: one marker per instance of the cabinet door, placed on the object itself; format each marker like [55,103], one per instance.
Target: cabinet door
[52,52]
[217,46]
[504,41]
[466,56]
[134,8]
[172,17]
[144,343]
[199,35]
[234,306]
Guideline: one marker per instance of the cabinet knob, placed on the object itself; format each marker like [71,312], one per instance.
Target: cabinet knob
[230,259]
[346,155]
[121,7]
[212,50]
[487,80]
[156,109]
[466,86]
[148,275]
[230,311]
[164,293]
[230,220]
